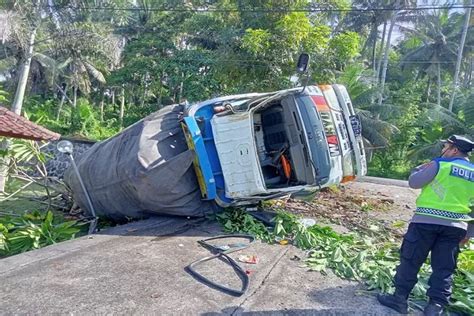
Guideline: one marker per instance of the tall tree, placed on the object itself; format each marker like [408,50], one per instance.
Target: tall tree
[398,12]
[460,55]
[392,22]
[438,34]
[30,13]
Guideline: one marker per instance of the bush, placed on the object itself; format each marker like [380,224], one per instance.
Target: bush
[32,231]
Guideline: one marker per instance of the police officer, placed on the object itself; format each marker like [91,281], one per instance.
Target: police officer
[440,225]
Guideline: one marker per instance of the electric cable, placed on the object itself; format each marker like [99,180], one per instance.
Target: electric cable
[257,10]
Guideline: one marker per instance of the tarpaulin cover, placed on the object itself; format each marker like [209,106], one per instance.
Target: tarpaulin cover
[147,168]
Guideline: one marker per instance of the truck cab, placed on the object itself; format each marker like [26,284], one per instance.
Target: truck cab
[259,146]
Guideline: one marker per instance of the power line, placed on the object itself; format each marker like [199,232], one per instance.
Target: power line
[257,10]
[267,63]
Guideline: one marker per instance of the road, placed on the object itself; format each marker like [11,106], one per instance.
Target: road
[138,268]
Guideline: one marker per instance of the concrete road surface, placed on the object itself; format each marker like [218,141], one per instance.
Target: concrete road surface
[139,269]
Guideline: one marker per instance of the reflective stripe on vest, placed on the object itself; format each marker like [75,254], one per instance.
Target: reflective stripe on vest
[450,194]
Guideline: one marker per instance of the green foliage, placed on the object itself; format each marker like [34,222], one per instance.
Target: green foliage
[26,151]
[3,95]
[32,231]
[370,259]
[393,162]
[90,127]
[256,41]
[344,47]
[237,220]
[82,120]
[164,57]
[43,112]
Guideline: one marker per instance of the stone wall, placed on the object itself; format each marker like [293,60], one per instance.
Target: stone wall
[59,162]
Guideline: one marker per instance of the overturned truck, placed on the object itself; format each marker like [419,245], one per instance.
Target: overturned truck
[146,168]
[232,150]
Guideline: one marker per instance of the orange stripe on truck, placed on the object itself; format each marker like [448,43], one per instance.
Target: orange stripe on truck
[320,102]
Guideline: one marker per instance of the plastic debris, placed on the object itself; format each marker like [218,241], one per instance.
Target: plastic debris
[248,259]
[281,241]
[307,222]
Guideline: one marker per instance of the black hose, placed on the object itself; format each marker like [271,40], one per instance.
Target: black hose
[222,254]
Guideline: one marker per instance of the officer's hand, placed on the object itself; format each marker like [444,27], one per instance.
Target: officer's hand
[464,241]
[423,166]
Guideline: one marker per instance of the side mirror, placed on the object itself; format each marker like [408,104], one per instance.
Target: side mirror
[303,63]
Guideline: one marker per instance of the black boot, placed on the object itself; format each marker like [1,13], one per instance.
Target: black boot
[396,302]
[433,309]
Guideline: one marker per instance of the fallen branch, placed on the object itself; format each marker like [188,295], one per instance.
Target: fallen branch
[17,191]
[9,214]
[49,204]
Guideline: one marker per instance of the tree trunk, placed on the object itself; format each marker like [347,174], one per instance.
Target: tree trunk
[468,73]
[122,106]
[385,57]
[4,162]
[469,76]
[60,107]
[113,98]
[181,86]
[380,52]
[459,60]
[428,91]
[74,97]
[142,102]
[372,37]
[101,106]
[374,54]
[439,84]
[24,73]
[18,101]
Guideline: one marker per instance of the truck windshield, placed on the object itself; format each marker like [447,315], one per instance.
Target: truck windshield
[316,138]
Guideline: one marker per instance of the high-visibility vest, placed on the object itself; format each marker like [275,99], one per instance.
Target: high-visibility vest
[450,194]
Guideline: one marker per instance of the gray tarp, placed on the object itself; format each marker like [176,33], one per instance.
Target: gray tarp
[147,168]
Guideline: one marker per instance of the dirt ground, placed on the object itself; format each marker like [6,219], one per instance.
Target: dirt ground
[360,206]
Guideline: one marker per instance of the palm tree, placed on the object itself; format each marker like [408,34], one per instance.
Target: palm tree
[27,19]
[385,56]
[438,34]
[363,23]
[398,6]
[439,124]
[21,50]
[460,56]
[376,130]
[25,52]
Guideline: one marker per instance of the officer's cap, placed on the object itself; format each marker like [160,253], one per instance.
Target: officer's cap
[464,144]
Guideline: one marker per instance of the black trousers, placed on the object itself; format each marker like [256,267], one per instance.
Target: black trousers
[420,239]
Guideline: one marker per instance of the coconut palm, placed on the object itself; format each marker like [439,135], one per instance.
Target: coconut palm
[25,23]
[369,24]
[439,34]
[460,55]
[396,16]
[376,130]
